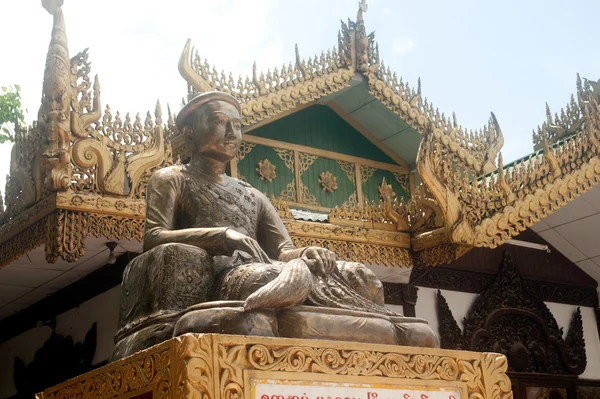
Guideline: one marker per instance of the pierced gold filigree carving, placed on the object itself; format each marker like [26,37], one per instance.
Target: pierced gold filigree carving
[306,160]
[366,172]
[66,231]
[289,193]
[266,170]
[349,169]
[328,182]
[26,240]
[359,252]
[115,227]
[244,150]
[287,156]
[306,197]
[402,179]
[281,207]
[352,201]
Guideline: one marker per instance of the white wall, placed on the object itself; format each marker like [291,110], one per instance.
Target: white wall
[103,309]
[563,314]
[460,302]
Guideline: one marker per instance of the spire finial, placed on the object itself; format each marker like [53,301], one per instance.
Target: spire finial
[362,8]
[52,6]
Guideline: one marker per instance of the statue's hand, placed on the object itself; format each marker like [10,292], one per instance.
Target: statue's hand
[237,241]
[324,260]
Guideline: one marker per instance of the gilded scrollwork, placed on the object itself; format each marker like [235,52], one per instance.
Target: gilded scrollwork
[366,172]
[349,169]
[347,233]
[359,251]
[244,150]
[306,160]
[84,202]
[146,370]
[289,192]
[193,367]
[402,179]
[286,156]
[306,197]
[115,227]
[208,366]
[26,240]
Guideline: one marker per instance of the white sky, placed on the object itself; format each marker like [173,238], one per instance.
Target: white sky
[473,57]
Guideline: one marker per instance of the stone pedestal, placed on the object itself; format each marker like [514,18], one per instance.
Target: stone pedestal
[216,366]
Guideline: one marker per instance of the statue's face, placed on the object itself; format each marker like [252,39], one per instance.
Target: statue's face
[216,131]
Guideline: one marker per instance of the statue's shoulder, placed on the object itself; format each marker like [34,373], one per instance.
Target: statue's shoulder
[243,183]
[169,173]
[248,186]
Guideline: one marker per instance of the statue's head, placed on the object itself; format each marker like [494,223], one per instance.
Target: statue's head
[211,125]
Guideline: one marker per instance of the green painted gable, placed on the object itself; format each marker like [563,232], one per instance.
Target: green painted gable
[319,126]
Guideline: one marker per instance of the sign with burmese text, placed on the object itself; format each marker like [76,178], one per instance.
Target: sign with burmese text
[283,389]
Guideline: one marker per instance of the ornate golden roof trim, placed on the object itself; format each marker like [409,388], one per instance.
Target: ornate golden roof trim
[485,211]
[28,217]
[101,204]
[350,234]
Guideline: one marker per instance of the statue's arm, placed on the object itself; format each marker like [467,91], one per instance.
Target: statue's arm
[163,196]
[272,234]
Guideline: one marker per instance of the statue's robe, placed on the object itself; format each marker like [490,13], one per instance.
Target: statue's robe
[180,198]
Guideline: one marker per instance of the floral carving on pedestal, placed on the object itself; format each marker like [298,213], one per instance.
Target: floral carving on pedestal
[328,182]
[266,170]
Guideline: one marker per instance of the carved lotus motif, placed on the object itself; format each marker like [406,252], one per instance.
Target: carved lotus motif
[328,182]
[266,170]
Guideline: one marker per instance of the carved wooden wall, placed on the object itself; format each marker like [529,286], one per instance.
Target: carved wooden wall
[509,317]
[57,361]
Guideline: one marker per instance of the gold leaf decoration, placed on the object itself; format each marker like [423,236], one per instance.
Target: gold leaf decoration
[266,170]
[328,182]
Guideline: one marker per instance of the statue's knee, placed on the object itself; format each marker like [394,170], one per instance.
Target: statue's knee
[363,273]
[169,276]
[363,280]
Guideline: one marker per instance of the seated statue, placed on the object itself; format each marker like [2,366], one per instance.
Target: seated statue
[218,259]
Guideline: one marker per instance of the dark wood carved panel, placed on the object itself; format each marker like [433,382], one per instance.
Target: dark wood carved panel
[554,277]
[509,317]
[465,281]
[58,360]
[401,294]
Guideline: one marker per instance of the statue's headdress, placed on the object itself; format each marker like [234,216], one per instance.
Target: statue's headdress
[199,101]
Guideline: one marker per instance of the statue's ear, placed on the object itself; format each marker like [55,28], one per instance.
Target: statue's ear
[187,132]
[187,135]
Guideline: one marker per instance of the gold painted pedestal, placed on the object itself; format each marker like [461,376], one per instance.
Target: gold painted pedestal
[215,366]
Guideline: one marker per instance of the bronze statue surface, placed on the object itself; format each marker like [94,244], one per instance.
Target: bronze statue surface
[217,258]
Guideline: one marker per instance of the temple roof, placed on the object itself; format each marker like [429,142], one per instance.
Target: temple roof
[78,174]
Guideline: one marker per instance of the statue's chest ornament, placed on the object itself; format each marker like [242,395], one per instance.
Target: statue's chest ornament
[222,204]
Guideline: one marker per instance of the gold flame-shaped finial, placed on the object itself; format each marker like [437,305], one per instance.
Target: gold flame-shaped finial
[186,70]
[52,6]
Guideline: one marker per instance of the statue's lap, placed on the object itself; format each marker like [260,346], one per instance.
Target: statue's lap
[167,292]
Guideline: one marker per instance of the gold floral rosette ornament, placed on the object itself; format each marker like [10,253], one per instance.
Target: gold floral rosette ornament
[328,182]
[266,170]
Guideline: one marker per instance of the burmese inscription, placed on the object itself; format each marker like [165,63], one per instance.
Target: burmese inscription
[284,389]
